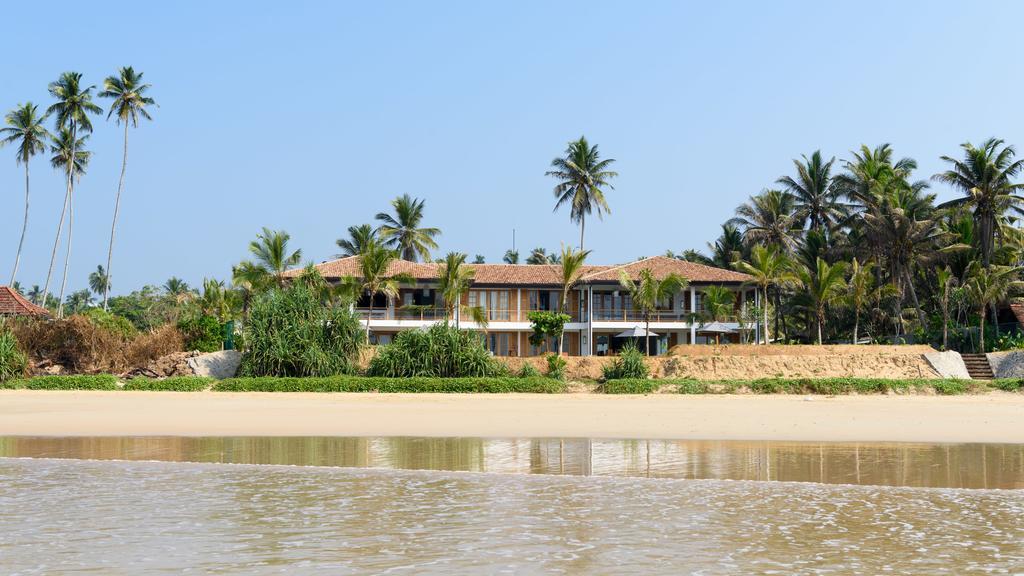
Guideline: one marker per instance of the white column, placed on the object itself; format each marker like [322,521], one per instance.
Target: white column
[519,302]
[693,311]
[519,343]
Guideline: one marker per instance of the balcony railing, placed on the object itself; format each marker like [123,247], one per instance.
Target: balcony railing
[434,314]
[630,315]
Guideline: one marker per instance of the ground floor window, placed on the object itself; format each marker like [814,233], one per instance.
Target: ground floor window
[500,344]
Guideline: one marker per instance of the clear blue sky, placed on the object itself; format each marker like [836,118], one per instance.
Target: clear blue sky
[310,117]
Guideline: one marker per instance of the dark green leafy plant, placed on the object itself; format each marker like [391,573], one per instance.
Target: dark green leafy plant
[501,385]
[202,332]
[629,365]
[443,351]
[528,370]
[546,324]
[174,383]
[292,333]
[556,367]
[79,382]
[13,362]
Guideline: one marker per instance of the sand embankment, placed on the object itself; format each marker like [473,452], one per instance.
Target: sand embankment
[995,417]
[745,362]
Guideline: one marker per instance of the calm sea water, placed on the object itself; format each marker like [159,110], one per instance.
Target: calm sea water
[562,506]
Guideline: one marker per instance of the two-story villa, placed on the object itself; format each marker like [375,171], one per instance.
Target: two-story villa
[600,309]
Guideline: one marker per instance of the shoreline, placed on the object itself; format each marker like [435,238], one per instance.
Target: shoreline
[989,418]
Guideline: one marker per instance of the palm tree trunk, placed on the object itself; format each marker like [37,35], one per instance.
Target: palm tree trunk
[24,227]
[67,255]
[913,298]
[856,324]
[765,312]
[981,330]
[583,226]
[56,245]
[819,322]
[369,316]
[647,334]
[117,207]
[945,323]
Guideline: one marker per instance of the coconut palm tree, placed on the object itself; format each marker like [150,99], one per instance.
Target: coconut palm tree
[24,128]
[270,250]
[78,302]
[582,175]
[34,294]
[985,176]
[129,103]
[823,285]
[99,281]
[690,255]
[403,232]
[71,110]
[859,290]
[479,259]
[570,268]
[987,287]
[945,279]
[64,148]
[648,292]
[538,256]
[769,267]
[769,218]
[511,257]
[454,280]
[816,197]
[375,278]
[358,238]
[729,247]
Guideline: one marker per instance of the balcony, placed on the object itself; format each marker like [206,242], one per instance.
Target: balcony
[433,314]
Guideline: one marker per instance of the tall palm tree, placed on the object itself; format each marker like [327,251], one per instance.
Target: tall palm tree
[859,290]
[729,247]
[987,287]
[511,257]
[719,304]
[570,268]
[24,128]
[769,218]
[99,281]
[647,292]
[985,177]
[34,294]
[129,103]
[824,285]
[71,110]
[374,277]
[78,301]
[403,232]
[538,256]
[178,290]
[64,148]
[816,197]
[945,279]
[769,267]
[270,250]
[479,259]
[454,280]
[581,176]
[358,238]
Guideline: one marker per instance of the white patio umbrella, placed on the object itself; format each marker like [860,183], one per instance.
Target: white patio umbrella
[635,332]
[716,328]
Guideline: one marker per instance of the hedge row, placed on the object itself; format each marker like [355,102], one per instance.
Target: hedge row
[829,386]
[371,384]
[172,384]
[80,382]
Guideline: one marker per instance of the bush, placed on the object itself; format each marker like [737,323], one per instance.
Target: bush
[290,332]
[93,382]
[631,386]
[111,322]
[154,344]
[528,370]
[1008,384]
[629,365]
[202,333]
[556,367]
[174,383]
[443,351]
[74,343]
[829,386]
[13,362]
[371,384]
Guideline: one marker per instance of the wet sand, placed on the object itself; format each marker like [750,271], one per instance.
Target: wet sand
[996,417]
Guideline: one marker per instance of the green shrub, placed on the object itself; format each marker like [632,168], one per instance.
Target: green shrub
[631,386]
[111,322]
[443,351]
[691,387]
[80,382]
[372,384]
[556,367]
[528,370]
[291,332]
[174,383]
[828,386]
[13,362]
[629,365]
[1008,384]
[201,332]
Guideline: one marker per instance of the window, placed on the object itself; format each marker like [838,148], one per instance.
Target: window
[493,302]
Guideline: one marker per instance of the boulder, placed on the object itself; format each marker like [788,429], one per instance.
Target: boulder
[948,364]
[219,365]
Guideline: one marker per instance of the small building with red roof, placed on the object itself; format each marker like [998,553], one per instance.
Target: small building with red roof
[14,304]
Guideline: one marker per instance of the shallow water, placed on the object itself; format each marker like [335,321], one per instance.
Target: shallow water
[889,464]
[64,516]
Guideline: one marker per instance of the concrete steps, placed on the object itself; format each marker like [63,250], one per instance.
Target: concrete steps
[978,366]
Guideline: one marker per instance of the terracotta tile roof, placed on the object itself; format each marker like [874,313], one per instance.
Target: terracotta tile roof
[14,304]
[538,274]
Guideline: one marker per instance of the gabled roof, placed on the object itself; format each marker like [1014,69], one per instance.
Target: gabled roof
[539,274]
[14,304]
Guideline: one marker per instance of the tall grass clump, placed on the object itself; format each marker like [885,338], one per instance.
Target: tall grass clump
[13,362]
[443,351]
[630,365]
[290,332]
[556,367]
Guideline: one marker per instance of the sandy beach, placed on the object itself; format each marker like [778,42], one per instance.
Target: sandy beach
[984,418]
